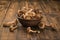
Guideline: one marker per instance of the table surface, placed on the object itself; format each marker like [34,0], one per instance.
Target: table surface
[51,10]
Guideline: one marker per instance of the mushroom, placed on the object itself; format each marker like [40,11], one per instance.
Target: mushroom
[29,30]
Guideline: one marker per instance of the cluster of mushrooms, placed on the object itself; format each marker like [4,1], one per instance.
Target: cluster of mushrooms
[29,14]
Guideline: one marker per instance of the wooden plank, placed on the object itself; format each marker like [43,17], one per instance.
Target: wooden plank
[2,16]
[4,35]
[11,15]
[49,34]
[3,11]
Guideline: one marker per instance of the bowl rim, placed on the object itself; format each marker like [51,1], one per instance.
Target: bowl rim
[30,19]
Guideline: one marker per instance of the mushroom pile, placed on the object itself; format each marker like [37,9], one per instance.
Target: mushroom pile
[29,14]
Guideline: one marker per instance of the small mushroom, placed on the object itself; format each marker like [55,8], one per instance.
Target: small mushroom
[28,17]
[29,30]
[12,25]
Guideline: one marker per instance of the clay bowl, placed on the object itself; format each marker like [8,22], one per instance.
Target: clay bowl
[29,23]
